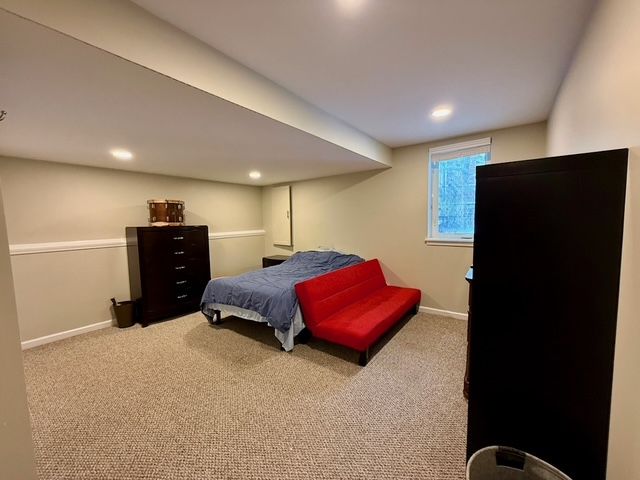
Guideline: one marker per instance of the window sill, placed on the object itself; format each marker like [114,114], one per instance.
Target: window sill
[448,242]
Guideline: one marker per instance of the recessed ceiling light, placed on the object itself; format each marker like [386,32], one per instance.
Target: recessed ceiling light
[441,112]
[255,174]
[121,154]
[350,6]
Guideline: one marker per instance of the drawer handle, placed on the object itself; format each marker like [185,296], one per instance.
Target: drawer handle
[181,252]
[181,267]
[178,238]
[181,296]
[181,282]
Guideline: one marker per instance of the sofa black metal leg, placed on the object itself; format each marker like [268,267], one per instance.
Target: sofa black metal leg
[216,319]
[304,336]
[364,358]
[416,309]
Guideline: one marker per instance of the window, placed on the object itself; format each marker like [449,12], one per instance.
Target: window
[452,188]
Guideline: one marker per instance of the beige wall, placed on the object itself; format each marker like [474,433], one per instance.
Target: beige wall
[383,214]
[50,202]
[16,445]
[598,108]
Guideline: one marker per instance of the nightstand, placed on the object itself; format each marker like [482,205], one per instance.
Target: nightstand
[273,260]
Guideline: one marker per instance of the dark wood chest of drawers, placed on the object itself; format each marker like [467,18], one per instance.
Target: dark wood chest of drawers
[168,269]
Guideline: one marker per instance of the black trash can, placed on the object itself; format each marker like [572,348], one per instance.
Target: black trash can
[503,463]
[125,312]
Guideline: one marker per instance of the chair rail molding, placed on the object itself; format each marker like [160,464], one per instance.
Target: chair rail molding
[74,245]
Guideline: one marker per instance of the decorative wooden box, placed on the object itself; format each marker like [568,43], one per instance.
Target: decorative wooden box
[166,212]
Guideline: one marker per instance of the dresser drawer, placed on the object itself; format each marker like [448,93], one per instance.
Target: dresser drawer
[187,238]
[159,247]
[169,280]
[190,298]
[175,268]
[162,296]
[189,284]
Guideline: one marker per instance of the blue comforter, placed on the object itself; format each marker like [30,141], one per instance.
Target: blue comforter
[270,291]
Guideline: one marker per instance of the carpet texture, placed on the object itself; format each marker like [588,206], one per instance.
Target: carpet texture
[185,400]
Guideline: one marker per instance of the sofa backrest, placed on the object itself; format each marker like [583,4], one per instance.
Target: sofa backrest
[322,296]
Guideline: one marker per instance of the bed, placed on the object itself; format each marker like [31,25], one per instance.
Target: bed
[268,295]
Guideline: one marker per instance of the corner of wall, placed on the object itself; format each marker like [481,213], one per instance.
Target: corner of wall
[16,445]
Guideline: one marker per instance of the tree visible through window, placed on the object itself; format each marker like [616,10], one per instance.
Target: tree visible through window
[452,171]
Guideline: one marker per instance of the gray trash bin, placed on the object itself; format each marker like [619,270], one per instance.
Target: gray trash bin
[503,463]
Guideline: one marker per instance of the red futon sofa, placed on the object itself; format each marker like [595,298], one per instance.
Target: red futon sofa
[354,306]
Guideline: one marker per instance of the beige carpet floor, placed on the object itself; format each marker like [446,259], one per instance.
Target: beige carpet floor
[184,400]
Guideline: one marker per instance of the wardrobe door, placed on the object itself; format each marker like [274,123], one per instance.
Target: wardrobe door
[547,251]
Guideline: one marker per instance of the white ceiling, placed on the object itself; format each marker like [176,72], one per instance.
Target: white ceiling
[378,65]
[70,102]
[382,65]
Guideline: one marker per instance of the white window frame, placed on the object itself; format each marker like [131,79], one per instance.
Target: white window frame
[433,197]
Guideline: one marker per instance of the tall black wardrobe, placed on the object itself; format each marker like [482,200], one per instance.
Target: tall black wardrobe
[547,253]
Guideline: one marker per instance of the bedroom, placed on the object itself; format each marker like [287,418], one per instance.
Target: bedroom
[63,187]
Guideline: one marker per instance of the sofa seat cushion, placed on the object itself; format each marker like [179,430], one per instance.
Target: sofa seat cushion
[360,324]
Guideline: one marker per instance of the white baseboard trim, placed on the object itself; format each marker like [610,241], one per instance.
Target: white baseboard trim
[444,313]
[36,342]
[74,245]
